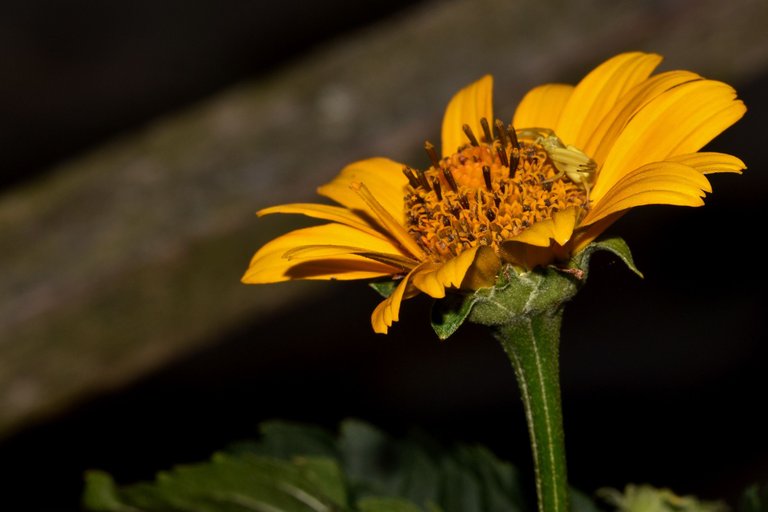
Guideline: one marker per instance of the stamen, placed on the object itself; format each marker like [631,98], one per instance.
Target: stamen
[411,178]
[502,132]
[463,201]
[487,178]
[513,138]
[470,135]
[502,152]
[486,129]
[423,180]
[515,159]
[432,153]
[450,180]
[514,155]
[438,192]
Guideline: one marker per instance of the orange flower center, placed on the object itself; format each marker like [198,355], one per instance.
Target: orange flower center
[489,191]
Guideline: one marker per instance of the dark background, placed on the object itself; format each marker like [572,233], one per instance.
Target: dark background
[637,409]
[78,73]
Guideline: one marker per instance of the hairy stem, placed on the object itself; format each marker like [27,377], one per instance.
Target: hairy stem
[531,342]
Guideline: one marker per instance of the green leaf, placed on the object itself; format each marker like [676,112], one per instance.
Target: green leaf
[500,483]
[580,502]
[458,479]
[386,505]
[420,478]
[646,498]
[377,465]
[367,456]
[363,470]
[229,483]
[101,494]
[325,474]
[284,440]
[754,499]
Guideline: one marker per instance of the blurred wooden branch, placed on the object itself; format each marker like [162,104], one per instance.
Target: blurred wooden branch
[131,255]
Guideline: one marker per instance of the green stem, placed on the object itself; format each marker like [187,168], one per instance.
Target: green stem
[531,342]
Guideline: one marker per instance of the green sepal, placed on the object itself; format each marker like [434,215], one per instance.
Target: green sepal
[384,288]
[613,245]
[516,294]
[526,294]
[449,313]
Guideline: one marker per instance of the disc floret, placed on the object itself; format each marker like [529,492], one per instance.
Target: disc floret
[489,191]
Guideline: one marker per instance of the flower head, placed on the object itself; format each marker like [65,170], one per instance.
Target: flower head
[574,160]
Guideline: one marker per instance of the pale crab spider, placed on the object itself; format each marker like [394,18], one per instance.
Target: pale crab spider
[569,160]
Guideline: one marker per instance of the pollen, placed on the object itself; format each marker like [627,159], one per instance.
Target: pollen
[489,191]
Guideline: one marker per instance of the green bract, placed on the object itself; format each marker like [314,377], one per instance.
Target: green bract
[517,295]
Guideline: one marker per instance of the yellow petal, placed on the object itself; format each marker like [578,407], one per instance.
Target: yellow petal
[325,212]
[558,228]
[678,121]
[269,264]
[316,252]
[388,311]
[393,227]
[527,257]
[706,129]
[467,107]
[599,91]
[434,279]
[585,237]
[646,197]
[541,106]
[564,223]
[382,176]
[483,271]
[656,183]
[710,163]
[615,120]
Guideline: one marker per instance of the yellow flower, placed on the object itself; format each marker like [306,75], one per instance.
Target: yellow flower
[573,161]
